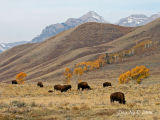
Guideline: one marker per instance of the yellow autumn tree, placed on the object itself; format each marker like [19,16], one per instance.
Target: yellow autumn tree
[79,72]
[138,74]
[102,60]
[20,77]
[68,75]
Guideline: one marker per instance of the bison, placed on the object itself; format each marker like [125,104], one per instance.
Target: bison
[50,91]
[62,88]
[118,96]
[14,82]
[83,85]
[67,87]
[58,87]
[40,84]
[106,84]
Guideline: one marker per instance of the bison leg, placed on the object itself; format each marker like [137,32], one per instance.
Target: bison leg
[78,88]
[121,101]
[112,100]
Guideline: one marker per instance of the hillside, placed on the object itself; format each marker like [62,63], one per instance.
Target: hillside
[42,61]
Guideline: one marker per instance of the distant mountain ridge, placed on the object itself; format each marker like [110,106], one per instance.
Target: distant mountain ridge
[137,20]
[5,46]
[54,29]
[51,30]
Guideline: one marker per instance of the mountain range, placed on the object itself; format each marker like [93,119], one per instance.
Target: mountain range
[47,60]
[5,46]
[52,30]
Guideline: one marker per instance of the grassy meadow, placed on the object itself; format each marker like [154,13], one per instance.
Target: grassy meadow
[29,102]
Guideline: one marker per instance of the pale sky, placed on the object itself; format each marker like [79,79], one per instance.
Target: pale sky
[21,20]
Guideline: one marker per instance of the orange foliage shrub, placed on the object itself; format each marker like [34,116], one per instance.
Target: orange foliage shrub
[138,73]
[21,77]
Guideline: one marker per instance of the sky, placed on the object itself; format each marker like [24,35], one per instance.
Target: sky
[22,20]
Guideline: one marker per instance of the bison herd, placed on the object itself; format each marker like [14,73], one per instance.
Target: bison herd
[117,96]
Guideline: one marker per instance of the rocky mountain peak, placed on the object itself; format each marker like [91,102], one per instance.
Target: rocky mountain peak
[92,16]
[133,20]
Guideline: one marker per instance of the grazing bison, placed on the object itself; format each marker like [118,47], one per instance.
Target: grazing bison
[40,84]
[83,85]
[50,91]
[62,88]
[67,87]
[106,84]
[118,96]
[14,82]
[58,87]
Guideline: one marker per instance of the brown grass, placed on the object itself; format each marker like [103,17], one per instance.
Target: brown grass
[34,103]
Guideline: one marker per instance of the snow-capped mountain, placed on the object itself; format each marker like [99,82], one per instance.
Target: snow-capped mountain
[137,20]
[92,17]
[133,20]
[5,46]
[2,48]
[54,29]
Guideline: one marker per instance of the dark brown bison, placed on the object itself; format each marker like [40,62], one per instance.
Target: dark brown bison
[66,87]
[40,84]
[14,82]
[50,91]
[62,88]
[118,96]
[58,87]
[106,84]
[83,85]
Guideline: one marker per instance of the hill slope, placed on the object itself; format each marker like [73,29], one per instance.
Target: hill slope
[44,60]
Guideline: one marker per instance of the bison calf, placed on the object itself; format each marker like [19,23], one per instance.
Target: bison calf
[106,84]
[83,85]
[62,88]
[14,82]
[40,84]
[118,96]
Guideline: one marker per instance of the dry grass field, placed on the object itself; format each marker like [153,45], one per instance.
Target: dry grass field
[29,102]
